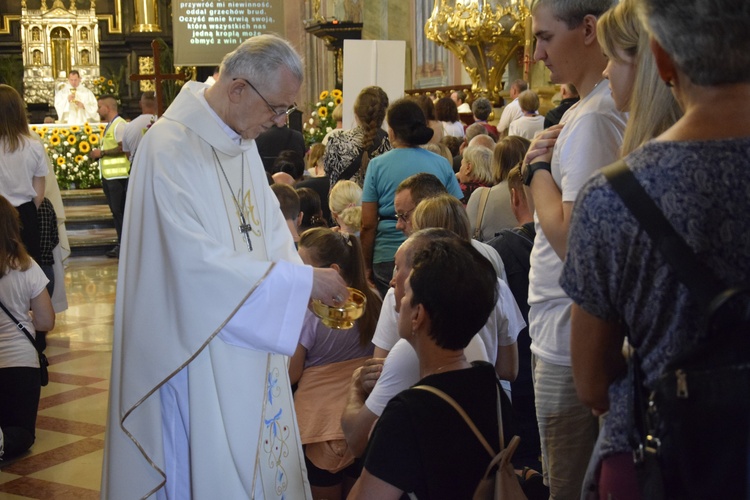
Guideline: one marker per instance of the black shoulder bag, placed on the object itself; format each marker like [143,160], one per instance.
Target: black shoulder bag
[692,432]
[43,363]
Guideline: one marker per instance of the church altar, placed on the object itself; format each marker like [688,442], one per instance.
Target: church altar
[68,147]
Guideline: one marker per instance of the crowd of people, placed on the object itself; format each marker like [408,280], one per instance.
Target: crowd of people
[502,272]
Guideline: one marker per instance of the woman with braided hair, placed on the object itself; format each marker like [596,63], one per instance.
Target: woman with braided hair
[348,152]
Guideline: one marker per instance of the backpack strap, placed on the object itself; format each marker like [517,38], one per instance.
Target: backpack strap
[445,397]
[483,197]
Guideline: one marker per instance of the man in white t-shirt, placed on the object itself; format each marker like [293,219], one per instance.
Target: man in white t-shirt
[512,111]
[590,139]
[137,127]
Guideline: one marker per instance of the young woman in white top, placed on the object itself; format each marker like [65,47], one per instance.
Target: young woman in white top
[22,289]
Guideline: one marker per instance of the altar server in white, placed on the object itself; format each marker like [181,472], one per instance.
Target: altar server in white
[210,298]
[74,103]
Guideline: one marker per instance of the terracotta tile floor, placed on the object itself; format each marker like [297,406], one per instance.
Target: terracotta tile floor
[66,459]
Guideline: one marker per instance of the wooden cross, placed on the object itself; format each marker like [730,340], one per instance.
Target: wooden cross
[158,77]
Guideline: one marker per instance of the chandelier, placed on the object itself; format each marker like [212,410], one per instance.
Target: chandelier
[484,35]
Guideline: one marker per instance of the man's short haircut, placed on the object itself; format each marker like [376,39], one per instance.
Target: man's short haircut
[453,143]
[520,85]
[529,101]
[288,199]
[109,99]
[572,12]
[149,96]
[461,95]
[421,186]
[457,287]
[485,140]
[474,130]
[259,59]
[482,108]
[74,72]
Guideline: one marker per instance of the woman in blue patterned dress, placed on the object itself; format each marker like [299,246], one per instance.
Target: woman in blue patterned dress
[698,174]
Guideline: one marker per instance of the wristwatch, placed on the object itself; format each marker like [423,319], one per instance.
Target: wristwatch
[532,168]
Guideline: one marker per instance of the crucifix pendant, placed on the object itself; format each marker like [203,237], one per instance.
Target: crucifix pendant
[245,229]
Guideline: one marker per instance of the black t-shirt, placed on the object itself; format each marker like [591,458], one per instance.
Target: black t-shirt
[422,445]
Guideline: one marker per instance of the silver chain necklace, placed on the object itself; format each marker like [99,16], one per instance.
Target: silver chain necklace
[245,228]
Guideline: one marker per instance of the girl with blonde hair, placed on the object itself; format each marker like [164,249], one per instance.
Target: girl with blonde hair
[315,166]
[633,76]
[345,202]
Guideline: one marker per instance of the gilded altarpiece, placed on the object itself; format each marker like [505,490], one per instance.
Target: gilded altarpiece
[54,41]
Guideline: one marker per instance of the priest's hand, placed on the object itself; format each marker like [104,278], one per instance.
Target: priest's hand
[328,286]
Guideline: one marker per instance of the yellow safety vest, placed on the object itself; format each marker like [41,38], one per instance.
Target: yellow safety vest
[113,167]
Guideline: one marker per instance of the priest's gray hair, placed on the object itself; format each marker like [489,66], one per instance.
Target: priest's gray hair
[572,12]
[707,39]
[259,59]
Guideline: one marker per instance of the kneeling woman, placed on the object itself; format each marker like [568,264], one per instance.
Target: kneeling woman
[324,362]
[22,289]
[420,444]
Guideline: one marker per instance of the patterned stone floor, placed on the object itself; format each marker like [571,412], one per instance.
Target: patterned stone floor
[65,461]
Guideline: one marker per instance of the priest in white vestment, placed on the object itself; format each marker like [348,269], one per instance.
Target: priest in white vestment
[211,297]
[74,103]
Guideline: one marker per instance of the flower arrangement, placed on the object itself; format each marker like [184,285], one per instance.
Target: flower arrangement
[68,150]
[321,119]
[104,86]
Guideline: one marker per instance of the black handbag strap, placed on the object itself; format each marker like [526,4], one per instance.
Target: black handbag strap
[20,326]
[694,274]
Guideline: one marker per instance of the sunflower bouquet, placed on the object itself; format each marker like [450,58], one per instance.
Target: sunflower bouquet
[68,150]
[106,86]
[321,119]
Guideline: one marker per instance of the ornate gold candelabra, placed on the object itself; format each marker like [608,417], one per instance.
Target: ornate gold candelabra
[484,34]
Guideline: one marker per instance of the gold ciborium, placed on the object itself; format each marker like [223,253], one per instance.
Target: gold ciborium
[341,317]
[484,35]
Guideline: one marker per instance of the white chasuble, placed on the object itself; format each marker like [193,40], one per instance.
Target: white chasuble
[200,400]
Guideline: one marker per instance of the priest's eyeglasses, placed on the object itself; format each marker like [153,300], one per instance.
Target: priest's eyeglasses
[276,114]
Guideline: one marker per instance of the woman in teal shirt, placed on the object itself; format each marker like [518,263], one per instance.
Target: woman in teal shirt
[380,238]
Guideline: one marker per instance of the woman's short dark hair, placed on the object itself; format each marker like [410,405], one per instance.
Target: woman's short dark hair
[407,121]
[481,108]
[457,287]
[446,110]
[291,162]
